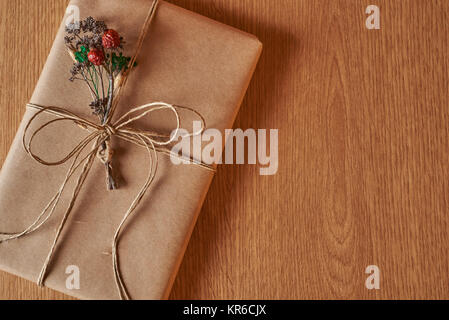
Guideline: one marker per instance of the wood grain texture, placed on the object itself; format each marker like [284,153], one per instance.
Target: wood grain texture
[363,148]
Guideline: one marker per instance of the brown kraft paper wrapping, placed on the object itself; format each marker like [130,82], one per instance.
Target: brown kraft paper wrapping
[186,59]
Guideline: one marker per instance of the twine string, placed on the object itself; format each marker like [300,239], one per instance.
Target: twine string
[121,129]
[152,142]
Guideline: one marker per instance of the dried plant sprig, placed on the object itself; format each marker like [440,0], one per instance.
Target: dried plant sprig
[98,60]
[100,63]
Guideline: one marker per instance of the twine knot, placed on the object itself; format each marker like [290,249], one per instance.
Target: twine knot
[109,130]
[105,153]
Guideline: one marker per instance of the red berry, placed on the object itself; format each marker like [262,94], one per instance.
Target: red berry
[111,39]
[96,57]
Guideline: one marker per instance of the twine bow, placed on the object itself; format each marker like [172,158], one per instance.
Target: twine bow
[100,136]
[153,143]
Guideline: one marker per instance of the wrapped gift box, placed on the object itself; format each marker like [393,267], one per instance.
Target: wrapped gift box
[186,59]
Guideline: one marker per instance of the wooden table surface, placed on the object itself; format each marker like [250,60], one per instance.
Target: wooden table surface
[363,148]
